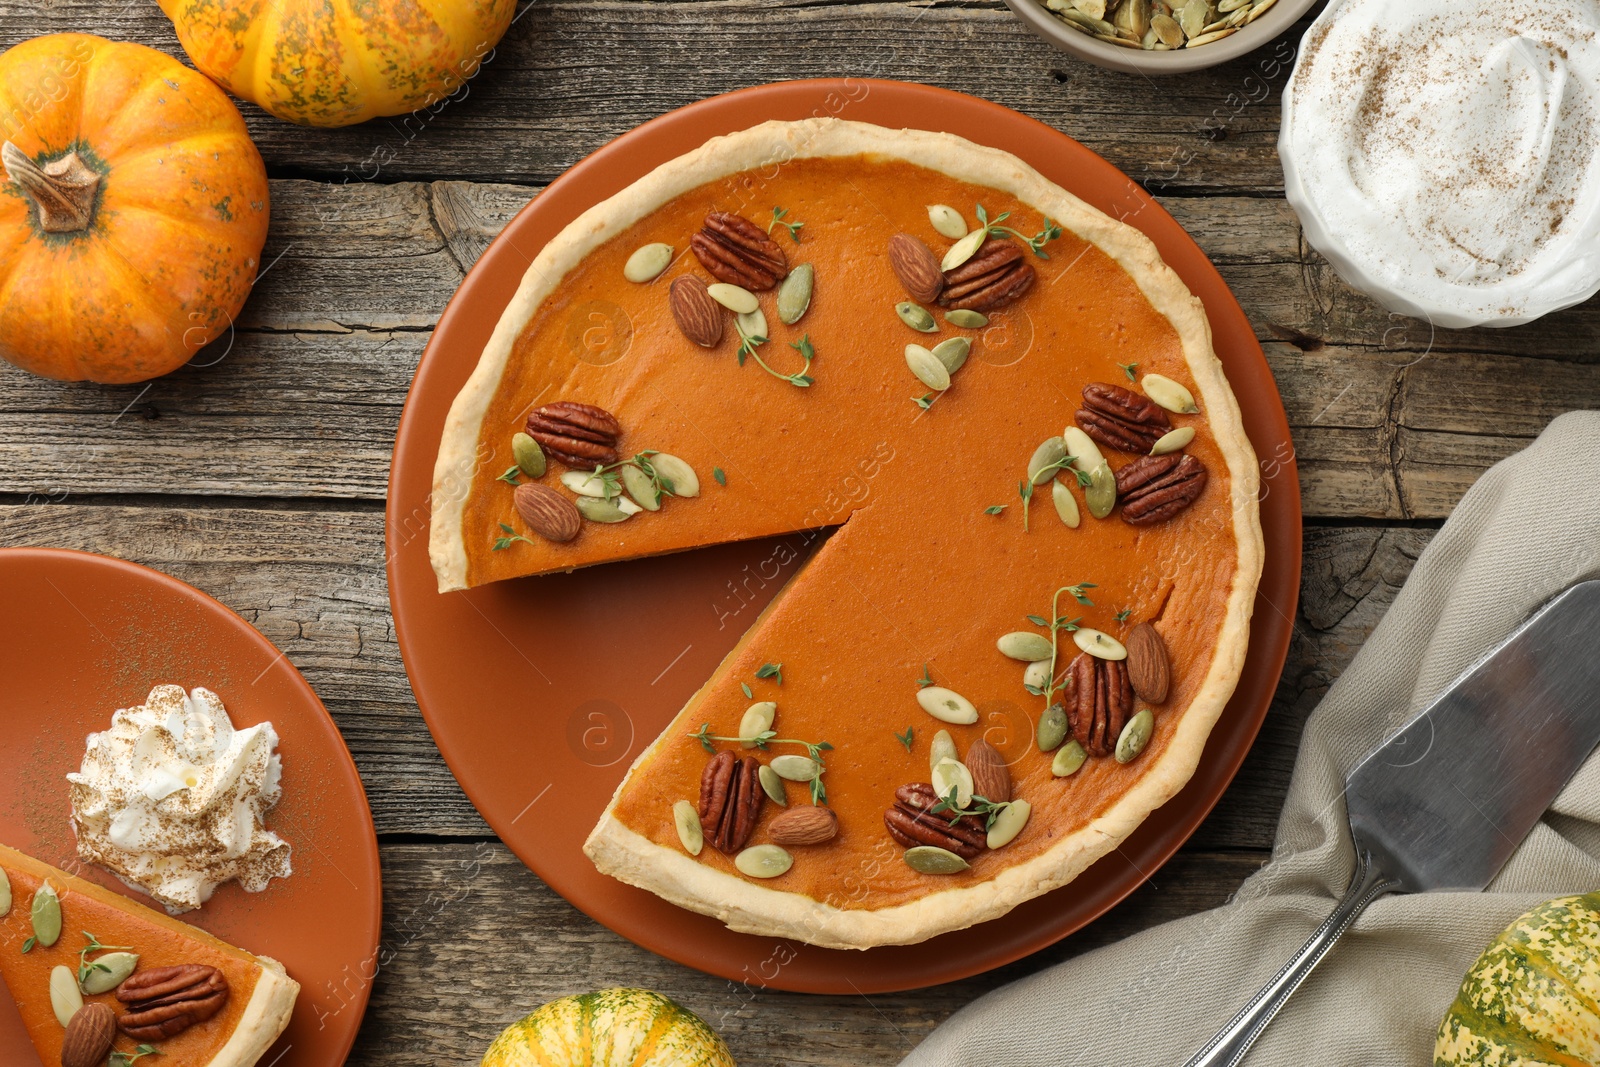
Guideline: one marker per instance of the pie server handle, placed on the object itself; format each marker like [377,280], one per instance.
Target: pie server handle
[1228,1046]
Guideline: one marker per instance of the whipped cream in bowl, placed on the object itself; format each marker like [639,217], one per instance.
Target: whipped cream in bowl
[173,799]
[1444,155]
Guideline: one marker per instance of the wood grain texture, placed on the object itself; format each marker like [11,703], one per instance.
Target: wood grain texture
[472,941]
[313,582]
[306,393]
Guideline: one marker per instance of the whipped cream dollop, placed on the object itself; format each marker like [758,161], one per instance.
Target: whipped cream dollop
[172,799]
[1445,154]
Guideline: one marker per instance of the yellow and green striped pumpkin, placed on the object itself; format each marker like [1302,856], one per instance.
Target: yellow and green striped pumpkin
[611,1028]
[1533,997]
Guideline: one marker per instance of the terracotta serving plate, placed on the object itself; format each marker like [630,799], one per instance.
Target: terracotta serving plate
[84,635]
[541,691]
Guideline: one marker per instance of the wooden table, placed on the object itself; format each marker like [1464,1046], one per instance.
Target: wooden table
[258,473]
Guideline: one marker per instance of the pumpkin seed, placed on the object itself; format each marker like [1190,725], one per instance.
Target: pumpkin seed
[601,510]
[1051,450]
[948,221]
[529,456]
[953,774]
[753,323]
[1193,17]
[926,366]
[1066,504]
[1169,394]
[943,748]
[1208,38]
[735,298]
[65,997]
[1132,16]
[964,249]
[1166,28]
[1036,675]
[1092,8]
[796,768]
[1024,645]
[1259,10]
[107,971]
[5,893]
[966,318]
[640,486]
[1069,757]
[952,352]
[1081,447]
[916,316]
[757,721]
[946,705]
[1101,496]
[1099,645]
[1226,7]
[626,506]
[1173,441]
[684,481]
[1009,823]
[1135,736]
[687,820]
[46,913]
[930,859]
[763,861]
[585,483]
[1052,728]
[794,295]
[647,263]
[772,785]
[1086,22]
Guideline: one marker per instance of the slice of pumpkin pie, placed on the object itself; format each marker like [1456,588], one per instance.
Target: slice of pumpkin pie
[1036,596]
[95,974]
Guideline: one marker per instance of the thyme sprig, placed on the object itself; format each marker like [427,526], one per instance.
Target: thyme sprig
[1130,369]
[510,476]
[1061,623]
[85,967]
[814,749]
[926,679]
[126,1059]
[720,475]
[908,738]
[778,214]
[995,509]
[980,807]
[500,544]
[1025,491]
[925,401]
[749,345]
[1036,243]
[771,670]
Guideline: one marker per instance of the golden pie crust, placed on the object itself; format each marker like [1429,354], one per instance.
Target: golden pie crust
[916,575]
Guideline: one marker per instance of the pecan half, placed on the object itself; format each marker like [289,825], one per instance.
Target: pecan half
[579,435]
[730,800]
[1120,418]
[1100,702]
[912,823]
[165,1001]
[1153,489]
[994,277]
[737,251]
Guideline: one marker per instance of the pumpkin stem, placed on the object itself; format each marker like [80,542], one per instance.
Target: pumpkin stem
[63,190]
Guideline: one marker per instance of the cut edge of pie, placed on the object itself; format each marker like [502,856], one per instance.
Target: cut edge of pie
[264,1016]
[744,906]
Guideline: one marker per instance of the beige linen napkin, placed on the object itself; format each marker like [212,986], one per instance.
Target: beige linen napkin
[1526,530]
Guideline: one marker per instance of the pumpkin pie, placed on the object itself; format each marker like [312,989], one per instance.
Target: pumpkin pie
[1018,515]
[195,999]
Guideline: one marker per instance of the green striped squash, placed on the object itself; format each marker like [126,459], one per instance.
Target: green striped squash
[611,1028]
[1533,997]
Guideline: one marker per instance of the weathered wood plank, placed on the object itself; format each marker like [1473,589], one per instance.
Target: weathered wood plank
[572,75]
[472,941]
[303,399]
[313,582]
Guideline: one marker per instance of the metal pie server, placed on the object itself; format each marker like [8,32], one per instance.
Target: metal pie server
[1443,803]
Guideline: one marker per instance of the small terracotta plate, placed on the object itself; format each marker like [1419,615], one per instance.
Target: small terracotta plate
[539,692]
[83,635]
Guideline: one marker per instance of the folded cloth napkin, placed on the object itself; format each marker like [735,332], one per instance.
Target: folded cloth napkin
[1527,529]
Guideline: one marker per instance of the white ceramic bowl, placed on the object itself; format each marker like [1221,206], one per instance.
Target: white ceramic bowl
[1580,273]
[1275,21]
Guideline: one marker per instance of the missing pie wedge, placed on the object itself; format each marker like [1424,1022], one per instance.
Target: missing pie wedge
[236,1032]
[963,627]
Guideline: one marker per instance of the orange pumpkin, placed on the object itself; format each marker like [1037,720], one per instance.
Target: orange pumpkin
[337,62]
[132,226]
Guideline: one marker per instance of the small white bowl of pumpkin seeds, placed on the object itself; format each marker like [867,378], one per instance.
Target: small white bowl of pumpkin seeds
[1159,36]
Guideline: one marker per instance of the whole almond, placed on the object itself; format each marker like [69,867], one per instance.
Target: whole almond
[804,826]
[697,314]
[89,1036]
[990,778]
[917,267]
[1149,667]
[549,514]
